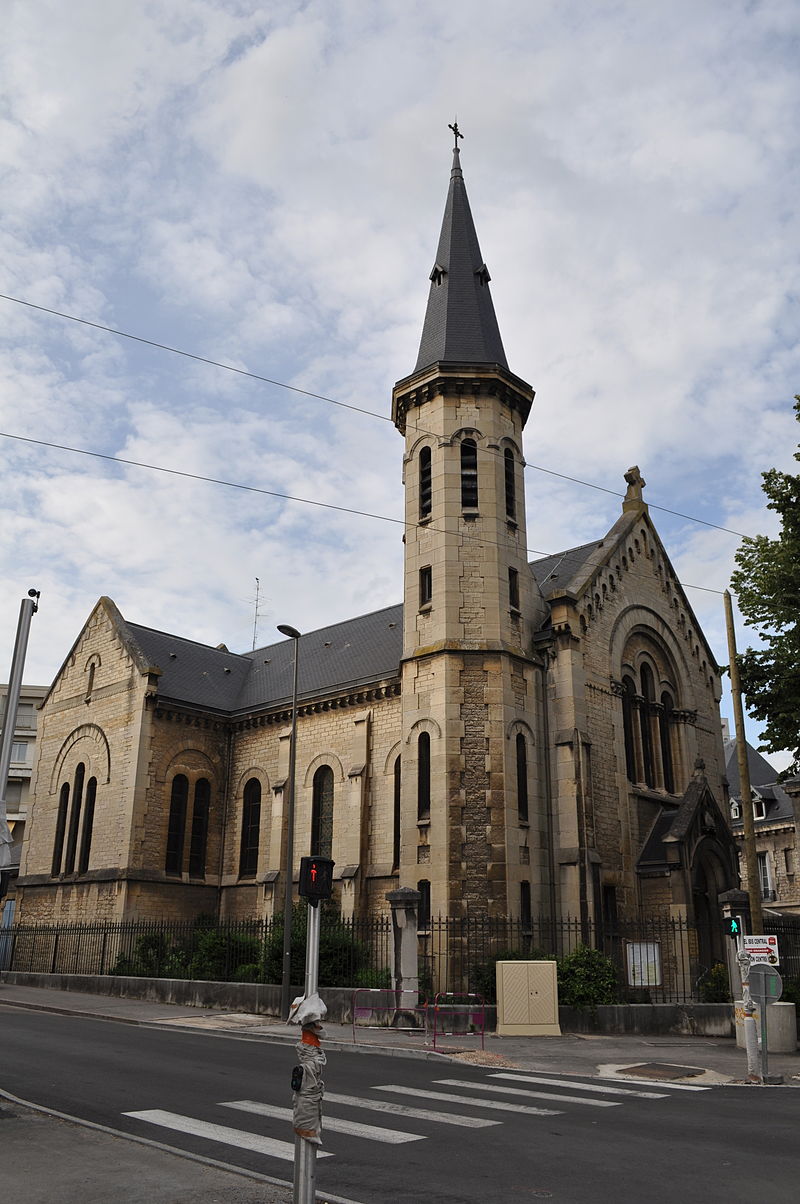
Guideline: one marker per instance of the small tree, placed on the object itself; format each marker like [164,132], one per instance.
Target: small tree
[767,585]
[586,979]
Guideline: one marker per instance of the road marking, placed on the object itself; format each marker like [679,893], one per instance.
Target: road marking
[534,1078]
[329,1123]
[563,1099]
[235,1137]
[382,1105]
[615,1078]
[444,1098]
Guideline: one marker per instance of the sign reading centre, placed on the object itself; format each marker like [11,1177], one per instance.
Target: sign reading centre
[762,949]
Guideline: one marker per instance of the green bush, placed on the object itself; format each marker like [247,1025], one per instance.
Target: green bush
[218,955]
[586,979]
[342,959]
[713,986]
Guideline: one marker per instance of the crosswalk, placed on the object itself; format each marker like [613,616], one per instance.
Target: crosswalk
[517,1092]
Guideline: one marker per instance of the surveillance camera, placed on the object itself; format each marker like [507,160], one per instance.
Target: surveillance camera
[33,593]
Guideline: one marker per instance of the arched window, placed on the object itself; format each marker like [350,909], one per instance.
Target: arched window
[522,778]
[88,824]
[664,725]
[176,830]
[61,827]
[322,812]
[424,776]
[648,694]
[628,696]
[251,829]
[425,483]
[396,817]
[199,834]
[424,913]
[74,819]
[511,484]
[469,474]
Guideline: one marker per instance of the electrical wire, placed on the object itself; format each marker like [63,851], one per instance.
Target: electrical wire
[334,402]
[195,476]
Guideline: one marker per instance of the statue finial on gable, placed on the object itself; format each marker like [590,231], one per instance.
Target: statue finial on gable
[633,497]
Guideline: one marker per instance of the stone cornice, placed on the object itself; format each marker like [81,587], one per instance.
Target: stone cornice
[460,380]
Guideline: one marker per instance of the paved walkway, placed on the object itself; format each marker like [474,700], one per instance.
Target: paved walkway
[80,1164]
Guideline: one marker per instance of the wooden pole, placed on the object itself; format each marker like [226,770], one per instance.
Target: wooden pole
[750,860]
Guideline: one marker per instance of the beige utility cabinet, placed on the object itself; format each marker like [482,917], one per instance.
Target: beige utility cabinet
[527,999]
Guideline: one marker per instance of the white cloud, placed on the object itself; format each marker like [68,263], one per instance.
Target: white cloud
[263,186]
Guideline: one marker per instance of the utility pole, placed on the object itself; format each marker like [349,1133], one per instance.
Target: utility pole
[750,860]
[27,609]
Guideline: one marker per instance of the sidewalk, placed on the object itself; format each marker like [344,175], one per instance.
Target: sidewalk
[77,1163]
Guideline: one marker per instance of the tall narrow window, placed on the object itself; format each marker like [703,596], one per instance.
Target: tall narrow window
[396,817]
[424,913]
[251,829]
[522,778]
[628,696]
[322,812]
[513,589]
[424,776]
[525,914]
[425,585]
[88,824]
[74,819]
[648,693]
[199,835]
[764,875]
[61,827]
[176,830]
[425,483]
[511,484]
[664,724]
[469,474]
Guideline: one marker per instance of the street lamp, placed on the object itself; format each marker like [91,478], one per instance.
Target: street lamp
[286,983]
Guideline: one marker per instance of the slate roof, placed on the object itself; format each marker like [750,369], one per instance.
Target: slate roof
[553,573]
[759,768]
[460,323]
[339,657]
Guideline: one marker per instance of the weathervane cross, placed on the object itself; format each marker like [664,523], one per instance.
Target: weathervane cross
[456,133]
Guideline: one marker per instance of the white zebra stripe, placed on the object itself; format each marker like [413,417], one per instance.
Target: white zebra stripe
[443,1097]
[557,1097]
[212,1132]
[330,1124]
[535,1078]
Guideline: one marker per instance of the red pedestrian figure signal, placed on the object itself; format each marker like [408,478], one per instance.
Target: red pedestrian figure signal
[316,879]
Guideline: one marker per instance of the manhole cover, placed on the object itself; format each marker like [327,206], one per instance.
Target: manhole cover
[664,1070]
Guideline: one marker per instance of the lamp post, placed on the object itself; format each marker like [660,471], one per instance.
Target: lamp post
[286,982]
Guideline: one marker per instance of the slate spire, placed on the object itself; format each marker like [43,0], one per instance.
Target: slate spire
[460,323]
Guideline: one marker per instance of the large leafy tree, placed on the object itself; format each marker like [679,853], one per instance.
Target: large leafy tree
[767,582]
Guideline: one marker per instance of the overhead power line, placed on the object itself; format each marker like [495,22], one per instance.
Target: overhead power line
[202,359]
[288,497]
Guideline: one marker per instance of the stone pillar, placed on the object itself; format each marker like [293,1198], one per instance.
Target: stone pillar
[404,903]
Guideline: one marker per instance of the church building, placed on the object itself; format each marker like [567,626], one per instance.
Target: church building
[513,739]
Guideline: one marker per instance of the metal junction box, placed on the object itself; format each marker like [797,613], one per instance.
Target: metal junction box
[527,999]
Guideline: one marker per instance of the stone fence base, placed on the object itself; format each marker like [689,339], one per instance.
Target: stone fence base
[642,1019]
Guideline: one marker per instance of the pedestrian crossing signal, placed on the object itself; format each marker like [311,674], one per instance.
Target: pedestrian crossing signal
[316,879]
[733,926]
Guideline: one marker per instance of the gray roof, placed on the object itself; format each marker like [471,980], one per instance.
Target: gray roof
[553,573]
[758,767]
[339,657]
[460,323]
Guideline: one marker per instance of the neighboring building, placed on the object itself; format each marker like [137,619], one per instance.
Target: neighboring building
[515,739]
[18,786]
[774,827]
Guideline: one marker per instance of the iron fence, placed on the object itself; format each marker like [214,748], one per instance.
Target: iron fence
[655,960]
[352,952]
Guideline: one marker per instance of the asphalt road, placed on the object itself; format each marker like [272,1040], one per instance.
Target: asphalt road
[581,1141]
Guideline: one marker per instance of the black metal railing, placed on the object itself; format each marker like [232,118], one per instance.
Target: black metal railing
[352,952]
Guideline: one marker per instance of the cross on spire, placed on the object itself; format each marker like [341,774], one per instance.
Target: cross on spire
[456,133]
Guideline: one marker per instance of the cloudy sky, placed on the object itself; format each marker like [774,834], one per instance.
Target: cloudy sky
[262,184]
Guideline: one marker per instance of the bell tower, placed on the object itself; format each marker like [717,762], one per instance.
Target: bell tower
[471,746]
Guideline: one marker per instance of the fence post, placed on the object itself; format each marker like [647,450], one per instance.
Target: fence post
[405,903]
